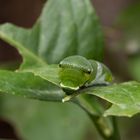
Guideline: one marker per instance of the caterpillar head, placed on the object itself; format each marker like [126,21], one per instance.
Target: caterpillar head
[75,71]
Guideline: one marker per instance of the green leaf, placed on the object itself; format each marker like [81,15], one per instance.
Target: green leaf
[29,41]
[120,111]
[64,29]
[28,85]
[26,41]
[68,28]
[49,73]
[125,98]
[35,120]
[28,122]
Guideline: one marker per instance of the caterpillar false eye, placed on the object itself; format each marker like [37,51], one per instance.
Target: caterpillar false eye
[89,71]
[77,71]
[59,65]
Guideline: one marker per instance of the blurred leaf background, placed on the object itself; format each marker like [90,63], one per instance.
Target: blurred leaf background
[33,120]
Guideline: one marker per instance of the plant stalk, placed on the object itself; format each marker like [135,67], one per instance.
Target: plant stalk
[115,134]
[106,126]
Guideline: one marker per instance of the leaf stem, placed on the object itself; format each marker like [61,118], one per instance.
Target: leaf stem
[98,126]
[106,126]
[116,134]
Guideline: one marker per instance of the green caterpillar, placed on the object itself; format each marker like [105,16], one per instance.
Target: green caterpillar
[77,72]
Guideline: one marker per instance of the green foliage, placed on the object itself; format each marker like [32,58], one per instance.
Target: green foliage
[129,21]
[28,85]
[71,26]
[44,120]
[64,28]
[125,98]
[37,120]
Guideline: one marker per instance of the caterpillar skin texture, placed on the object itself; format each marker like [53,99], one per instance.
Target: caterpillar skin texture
[77,71]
